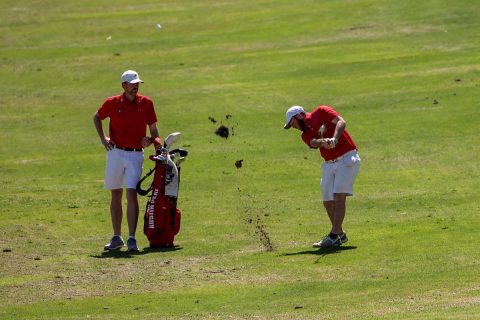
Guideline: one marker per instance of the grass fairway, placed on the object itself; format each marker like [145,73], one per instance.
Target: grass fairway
[406,77]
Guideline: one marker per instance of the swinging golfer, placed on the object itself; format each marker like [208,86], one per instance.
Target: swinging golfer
[324,129]
[130,114]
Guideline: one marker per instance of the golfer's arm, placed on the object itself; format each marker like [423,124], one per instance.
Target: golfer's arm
[98,125]
[154,131]
[315,143]
[340,125]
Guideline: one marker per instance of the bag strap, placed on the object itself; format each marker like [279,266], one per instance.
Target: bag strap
[139,189]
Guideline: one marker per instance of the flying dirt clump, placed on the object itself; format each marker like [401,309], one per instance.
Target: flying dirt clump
[238,163]
[223,131]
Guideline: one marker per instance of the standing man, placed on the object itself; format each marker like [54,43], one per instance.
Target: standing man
[130,113]
[324,129]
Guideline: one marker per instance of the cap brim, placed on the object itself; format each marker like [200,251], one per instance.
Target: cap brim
[136,81]
[288,124]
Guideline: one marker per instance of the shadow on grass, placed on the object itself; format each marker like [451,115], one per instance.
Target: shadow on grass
[118,254]
[161,249]
[322,251]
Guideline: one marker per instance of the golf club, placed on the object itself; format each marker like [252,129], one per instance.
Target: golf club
[322,130]
[181,152]
[171,138]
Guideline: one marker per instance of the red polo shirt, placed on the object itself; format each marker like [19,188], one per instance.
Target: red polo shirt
[314,120]
[128,120]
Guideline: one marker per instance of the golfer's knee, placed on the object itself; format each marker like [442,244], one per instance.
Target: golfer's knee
[339,197]
[116,192]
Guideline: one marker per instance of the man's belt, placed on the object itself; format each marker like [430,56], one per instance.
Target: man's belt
[341,157]
[126,149]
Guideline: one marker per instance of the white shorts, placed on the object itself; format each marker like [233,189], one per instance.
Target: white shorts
[339,176]
[123,168]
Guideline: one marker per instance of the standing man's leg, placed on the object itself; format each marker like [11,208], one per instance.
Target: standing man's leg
[132,218]
[133,173]
[116,214]
[116,211]
[114,175]
[132,211]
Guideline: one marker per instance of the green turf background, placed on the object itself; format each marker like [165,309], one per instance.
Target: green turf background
[404,75]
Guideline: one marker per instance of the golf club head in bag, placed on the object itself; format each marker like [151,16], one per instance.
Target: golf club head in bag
[169,179]
[178,156]
[180,152]
[171,138]
[162,156]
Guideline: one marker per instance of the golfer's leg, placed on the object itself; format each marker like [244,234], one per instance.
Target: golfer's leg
[330,208]
[132,211]
[326,186]
[116,212]
[340,206]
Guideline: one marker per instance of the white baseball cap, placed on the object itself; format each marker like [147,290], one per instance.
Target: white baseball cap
[292,112]
[131,76]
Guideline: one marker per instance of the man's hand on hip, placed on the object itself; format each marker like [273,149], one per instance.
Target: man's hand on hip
[107,143]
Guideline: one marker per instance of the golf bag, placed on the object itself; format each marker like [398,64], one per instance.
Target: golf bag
[162,217]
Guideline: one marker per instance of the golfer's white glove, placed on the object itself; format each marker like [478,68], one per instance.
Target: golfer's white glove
[332,142]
